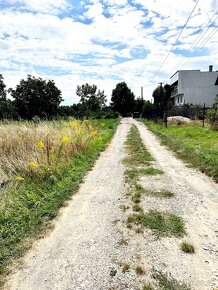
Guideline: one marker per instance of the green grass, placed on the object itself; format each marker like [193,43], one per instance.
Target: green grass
[134,174]
[162,223]
[138,154]
[166,282]
[187,248]
[141,190]
[28,208]
[196,145]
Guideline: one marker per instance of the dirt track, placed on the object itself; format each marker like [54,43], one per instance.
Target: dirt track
[90,242]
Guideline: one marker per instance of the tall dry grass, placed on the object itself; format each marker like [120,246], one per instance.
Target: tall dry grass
[39,150]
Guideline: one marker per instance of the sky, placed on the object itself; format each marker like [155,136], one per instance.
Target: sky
[104,42]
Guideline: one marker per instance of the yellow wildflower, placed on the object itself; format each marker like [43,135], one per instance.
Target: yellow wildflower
[19,178]
[93,133]
[32,165]
[73,124]
[65,140]
[86,122]
[40,145]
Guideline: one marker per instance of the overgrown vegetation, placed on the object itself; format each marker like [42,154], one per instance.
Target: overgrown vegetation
[137,153]
[162,223]
[162,193]
[196,145]
[43,165]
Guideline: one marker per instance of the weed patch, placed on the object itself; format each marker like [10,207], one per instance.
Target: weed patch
[141,190]
[166,282]
[139,270]
[187,248]
[132,175]
[162,223]
[113,272]
[138,154]
[125,268]
[137,207]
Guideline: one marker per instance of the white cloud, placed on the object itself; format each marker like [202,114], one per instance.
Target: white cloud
[71,52]
[42,6]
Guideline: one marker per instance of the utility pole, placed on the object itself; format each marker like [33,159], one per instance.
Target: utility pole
[142,93]
[161,84]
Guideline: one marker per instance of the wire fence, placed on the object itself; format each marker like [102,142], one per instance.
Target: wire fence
[160,115]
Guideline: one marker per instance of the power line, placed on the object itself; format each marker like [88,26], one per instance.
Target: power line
[176,39]
[211,34]
[197,40]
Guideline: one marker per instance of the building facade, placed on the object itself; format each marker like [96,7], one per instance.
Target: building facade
[194,87]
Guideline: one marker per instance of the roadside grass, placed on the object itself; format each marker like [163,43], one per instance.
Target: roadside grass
[187,248]
[196,145]
[162,223]
[27,205]
[166,282]
[138,154]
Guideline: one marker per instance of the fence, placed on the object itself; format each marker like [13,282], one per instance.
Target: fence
[198,113]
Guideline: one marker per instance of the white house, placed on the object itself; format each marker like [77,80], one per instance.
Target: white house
[194,87]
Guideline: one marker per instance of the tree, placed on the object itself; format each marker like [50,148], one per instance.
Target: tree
[139,105]
[91,100]
[3,91]
[148,110]
[7,107]
[162,99]
[36,97]
[123,100]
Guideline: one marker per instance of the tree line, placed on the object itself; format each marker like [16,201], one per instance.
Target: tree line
[37,98]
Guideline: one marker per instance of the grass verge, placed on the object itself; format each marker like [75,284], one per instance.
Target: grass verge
[162,223]
[29,206]
[196,145]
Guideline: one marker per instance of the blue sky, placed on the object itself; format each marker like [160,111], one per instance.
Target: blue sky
[104,42]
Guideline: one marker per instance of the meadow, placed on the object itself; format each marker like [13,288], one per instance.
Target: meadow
[196,145]
[41,166]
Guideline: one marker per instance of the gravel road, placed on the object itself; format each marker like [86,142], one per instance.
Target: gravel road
[90,243]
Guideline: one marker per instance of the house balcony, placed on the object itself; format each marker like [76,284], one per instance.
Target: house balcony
[174,91]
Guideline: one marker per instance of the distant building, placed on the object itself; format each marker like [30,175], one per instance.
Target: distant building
[194,87]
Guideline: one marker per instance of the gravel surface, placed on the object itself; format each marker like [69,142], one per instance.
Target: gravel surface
[90,243]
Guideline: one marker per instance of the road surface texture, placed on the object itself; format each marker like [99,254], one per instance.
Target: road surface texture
[90,245]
